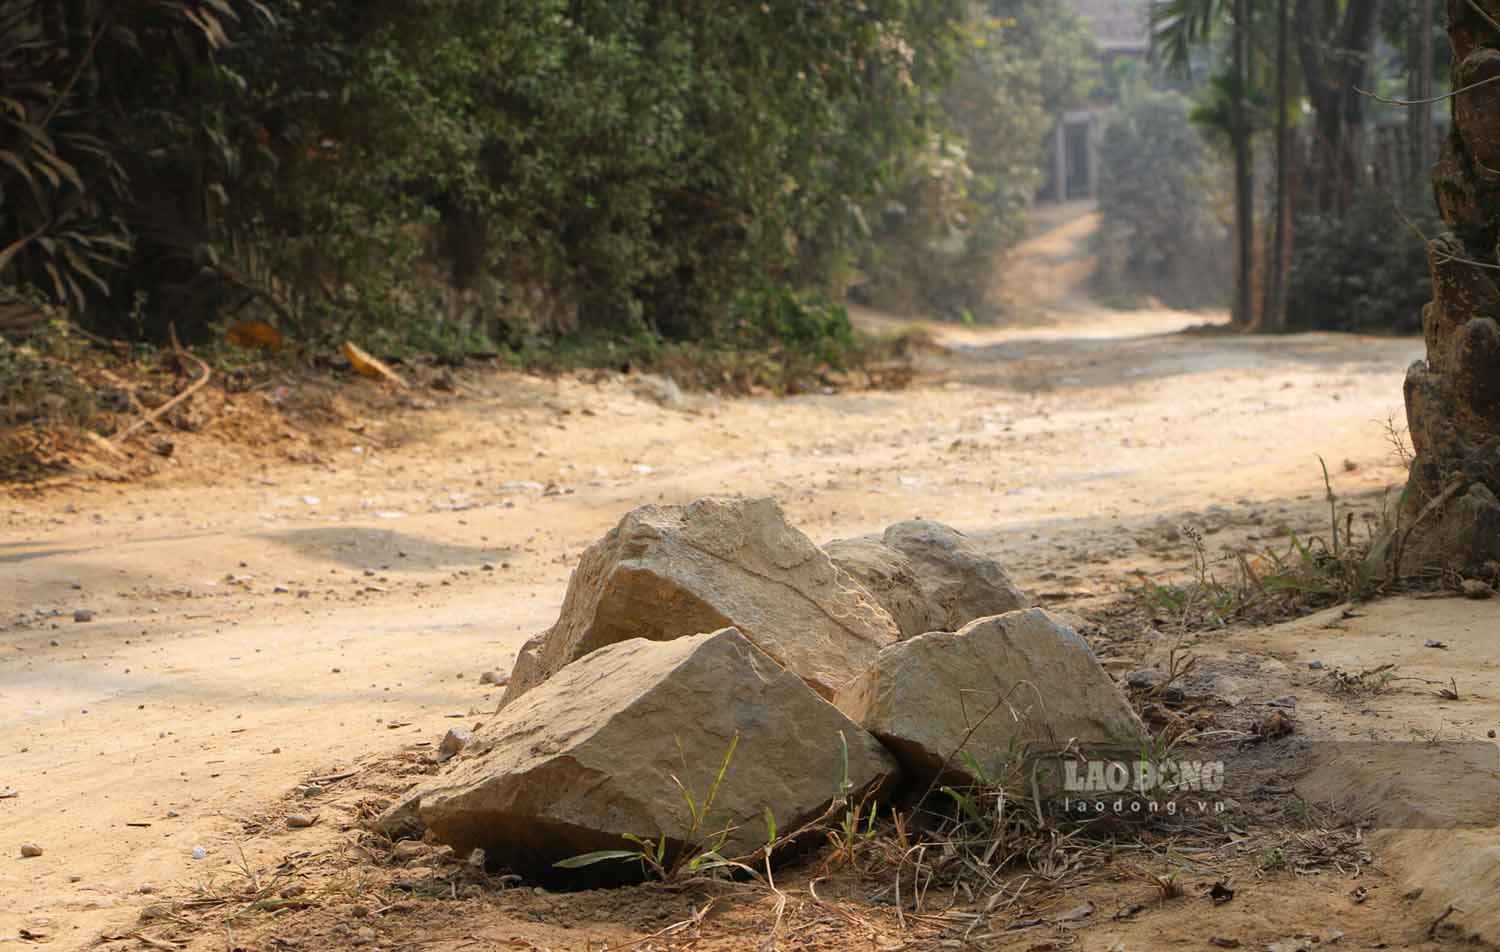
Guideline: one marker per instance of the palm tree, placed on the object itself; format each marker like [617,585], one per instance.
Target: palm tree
[1450,515]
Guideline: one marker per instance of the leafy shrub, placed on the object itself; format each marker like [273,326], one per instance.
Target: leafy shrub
[1362,270]
[1160,229]
[484,169]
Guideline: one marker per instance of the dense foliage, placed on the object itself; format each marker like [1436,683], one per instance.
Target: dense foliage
[1363,270]
[1162,228]
[442,172]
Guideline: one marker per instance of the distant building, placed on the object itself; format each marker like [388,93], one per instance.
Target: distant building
[1122,31]
[1120,26]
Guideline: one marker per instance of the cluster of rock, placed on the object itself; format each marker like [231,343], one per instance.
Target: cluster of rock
[688,632]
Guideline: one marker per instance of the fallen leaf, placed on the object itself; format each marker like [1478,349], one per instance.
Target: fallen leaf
[368,366]
[255,335]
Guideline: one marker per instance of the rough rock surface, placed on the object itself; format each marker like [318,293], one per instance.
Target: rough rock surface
[959,582]
[671,571]
[1016,679]
[927,576]
[891,580]
[590,754]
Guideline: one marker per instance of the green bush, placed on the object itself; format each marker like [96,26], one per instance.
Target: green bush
[448,172]
[1363,270]
[1161,230]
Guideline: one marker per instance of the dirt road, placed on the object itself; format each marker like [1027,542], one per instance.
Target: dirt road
[254,625]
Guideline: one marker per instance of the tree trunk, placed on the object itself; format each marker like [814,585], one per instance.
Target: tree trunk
[1449,520]
[1336,54]
[1274,318]
[1244,175]
[1424,87]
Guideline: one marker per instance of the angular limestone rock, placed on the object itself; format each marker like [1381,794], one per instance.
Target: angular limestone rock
[590,755]
[891,580]
[927,576]
[959,582]
[670,571]
[996,686]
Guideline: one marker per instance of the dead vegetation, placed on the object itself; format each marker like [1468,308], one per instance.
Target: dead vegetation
[1273,584]
[973,866]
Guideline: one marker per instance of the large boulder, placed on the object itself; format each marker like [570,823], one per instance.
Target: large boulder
[928,576]
[670,571]
[596,752]
[1000,686]
[891,580]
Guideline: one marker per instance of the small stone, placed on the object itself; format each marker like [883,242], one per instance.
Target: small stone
[75,878]
[1315,665]
[199,852]
[292,892]
[1144,679]
[1490,733]
[29,850]
[364,936]
[454,741]
[1474,588]
[83,615]
[410,849]
[300,821]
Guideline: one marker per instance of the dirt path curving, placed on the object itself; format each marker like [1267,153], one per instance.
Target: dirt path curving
[257,623]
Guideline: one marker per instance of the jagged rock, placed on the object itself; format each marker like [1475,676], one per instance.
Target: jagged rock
[527,670]
[453,742]
[995,686]
[670,571]
[927,576]
[590,755]
[959,582]
[400,820]
[891,580]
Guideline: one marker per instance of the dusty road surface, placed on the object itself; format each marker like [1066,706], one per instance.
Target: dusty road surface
[254,624]
[303,598]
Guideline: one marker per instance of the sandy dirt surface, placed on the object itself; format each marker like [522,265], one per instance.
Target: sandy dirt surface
[254,621]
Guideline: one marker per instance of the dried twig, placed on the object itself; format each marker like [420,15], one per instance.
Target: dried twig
[156,414]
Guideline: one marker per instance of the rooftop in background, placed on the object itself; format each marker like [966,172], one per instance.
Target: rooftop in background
[1120,26]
